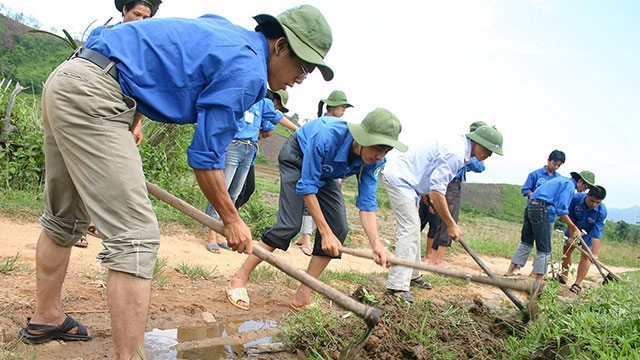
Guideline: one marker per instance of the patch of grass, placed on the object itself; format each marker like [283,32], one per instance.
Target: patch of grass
[604,323]
[21,204]
[9,264]
[13,263]
[9,351]
[265,273]
[94,274]
[194,272]
[315,328]
[258,214]
[159,279]
[352,277]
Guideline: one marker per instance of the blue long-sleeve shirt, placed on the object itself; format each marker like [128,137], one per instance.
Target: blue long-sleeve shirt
[537,178]
[262,114]
[206,71]
[558,193]
[326,145]
[474,165]
[590,220]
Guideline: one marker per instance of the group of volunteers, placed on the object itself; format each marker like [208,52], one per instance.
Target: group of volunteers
[231,83]
[577,201]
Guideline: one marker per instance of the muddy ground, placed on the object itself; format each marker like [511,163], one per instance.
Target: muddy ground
[199,309]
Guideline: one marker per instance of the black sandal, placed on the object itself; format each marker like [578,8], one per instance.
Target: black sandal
[575,288]
[46,333]
[401,295]
[420,282]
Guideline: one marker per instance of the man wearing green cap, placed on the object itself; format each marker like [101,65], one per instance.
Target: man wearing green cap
[427,169]
[205,71]
[552,198]
[336,103]
[310,161]
[439,242]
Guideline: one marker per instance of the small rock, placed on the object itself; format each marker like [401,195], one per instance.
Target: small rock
[208,317]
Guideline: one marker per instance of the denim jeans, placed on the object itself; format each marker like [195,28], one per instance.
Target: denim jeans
[536,228]
[239,158]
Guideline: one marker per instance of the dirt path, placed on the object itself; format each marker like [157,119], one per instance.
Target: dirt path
[181,302]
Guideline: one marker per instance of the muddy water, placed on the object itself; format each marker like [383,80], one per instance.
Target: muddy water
[161,344]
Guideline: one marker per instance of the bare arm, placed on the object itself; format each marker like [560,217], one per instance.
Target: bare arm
[330,243]
[214,188]
[440,204]
[369,224]
[288,123]
[573,229]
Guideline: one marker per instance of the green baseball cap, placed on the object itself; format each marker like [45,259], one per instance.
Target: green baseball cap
[379,127]
[152,4]
[337,98]
[308,33]
[585,175]
[284,97]
[488,137]
[476,124]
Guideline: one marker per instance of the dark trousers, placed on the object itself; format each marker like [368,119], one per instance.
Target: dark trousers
[291,205]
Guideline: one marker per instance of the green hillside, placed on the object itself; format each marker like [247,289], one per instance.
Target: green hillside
[28,57]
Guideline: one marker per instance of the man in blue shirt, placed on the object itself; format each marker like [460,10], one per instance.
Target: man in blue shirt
[310,161]
[588,213]
[547,172]
[549,200]
[204,71]
[262,117]
[428,169]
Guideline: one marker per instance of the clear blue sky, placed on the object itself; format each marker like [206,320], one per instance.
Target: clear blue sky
[549,74]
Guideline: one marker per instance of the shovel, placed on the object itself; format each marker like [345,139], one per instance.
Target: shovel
[369,314]
[584,248]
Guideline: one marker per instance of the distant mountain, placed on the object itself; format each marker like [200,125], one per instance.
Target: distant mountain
[630,215]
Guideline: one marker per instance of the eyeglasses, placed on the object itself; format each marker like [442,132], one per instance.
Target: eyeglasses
[303,75]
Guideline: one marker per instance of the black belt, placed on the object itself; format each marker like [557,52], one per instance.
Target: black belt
[95,57]
[539,202]
[246,141]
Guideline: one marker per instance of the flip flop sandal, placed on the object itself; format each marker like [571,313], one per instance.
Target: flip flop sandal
[561,279]
[82,242]
[238,294]
[225,246]
[421,282]
[307,249]
[213,248]
[46,333]
[400,295]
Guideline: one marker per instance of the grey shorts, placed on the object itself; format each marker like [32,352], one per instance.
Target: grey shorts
[93,168]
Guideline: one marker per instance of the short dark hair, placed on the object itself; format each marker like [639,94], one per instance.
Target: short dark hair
[557,155]
[271,30]
[598,192]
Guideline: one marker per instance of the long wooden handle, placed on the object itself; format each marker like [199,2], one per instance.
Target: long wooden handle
[491,275]
[584,248]
[370,314]
[519,286]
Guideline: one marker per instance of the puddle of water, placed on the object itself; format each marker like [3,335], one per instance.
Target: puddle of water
[158,343]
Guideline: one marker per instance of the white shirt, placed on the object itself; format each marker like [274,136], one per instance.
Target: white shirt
[427,167]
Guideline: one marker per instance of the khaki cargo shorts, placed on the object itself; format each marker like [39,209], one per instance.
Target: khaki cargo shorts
[93,168]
